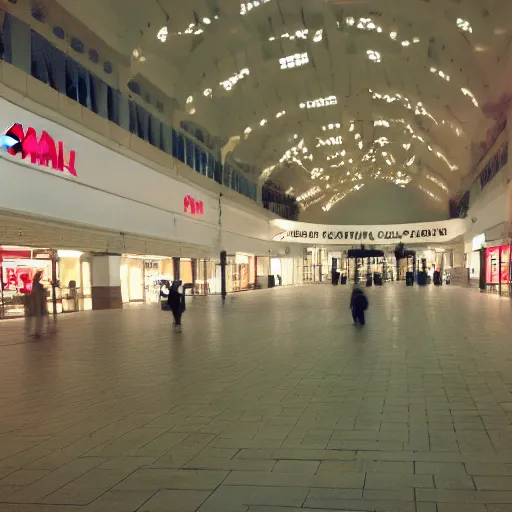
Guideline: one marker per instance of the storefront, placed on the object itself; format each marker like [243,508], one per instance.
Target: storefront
[69,272]
[497,269]
[315,265]
[286,271]
[141,277]
[240,274]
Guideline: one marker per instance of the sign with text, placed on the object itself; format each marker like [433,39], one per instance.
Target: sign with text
[427,232]
[193,206]
[43,150]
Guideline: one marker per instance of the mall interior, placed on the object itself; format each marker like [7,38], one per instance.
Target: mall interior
[270,155]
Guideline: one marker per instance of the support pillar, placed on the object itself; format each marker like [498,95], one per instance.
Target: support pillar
[176,269]
[194,275]
[223,262]
[106,281]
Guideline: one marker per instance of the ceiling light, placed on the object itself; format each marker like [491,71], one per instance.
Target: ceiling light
[320,102]
[374,56]
[447,162]
[318,36]
[207,92]
[162,34]
[437,182]
[433,196]
[190,99]
[411,161]
[464,25]
[233,80]
[294,61]
[246,7]
[207,21]
[467,92]
[393,35]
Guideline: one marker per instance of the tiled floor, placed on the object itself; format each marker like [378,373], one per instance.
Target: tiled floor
[273,402]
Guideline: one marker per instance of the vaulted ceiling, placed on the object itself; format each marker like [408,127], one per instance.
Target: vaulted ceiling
[324,95]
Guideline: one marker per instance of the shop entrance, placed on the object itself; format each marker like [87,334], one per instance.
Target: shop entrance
[141,278]
[19,265]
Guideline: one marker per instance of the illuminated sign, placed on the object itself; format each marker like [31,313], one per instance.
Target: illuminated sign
[43,151]
[497,265]
[192,206]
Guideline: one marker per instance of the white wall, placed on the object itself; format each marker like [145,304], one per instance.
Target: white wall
[117,193]
[473,263]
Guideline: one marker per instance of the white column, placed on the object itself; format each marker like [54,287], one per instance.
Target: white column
[106,281]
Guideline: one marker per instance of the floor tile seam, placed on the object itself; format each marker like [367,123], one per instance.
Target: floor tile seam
[77,477]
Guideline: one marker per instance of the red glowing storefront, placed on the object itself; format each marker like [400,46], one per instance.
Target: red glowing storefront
[497,269]
[18,266]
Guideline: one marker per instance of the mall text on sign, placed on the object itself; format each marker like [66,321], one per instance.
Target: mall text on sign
[368,234]
[43,151]
[192,206]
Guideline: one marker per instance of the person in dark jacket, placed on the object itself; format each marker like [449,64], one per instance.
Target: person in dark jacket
[358,305]
[176,302]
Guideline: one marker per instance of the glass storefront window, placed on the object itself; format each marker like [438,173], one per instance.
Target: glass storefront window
[18,266]
[492,269]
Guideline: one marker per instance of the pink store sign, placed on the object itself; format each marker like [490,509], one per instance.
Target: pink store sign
[193,206]
[43,151]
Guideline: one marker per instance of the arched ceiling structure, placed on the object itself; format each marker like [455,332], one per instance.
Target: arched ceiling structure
[323,95]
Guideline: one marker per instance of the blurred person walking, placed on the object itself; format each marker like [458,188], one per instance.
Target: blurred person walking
[176,303]
[358,305]
[36,306]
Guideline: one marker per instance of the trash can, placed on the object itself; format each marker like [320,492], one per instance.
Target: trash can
[369,280]
[422,278]
[409,279]
[343,279]
[377,279]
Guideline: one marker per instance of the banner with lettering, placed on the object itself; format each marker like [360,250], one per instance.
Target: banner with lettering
[317,234]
